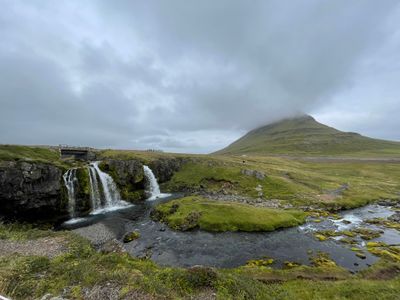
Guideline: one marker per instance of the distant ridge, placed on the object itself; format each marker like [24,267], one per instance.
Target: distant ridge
[305,136]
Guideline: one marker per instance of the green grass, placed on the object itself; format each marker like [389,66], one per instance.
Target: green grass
[22,232]
[305,136]
[82,268]
[193,212]
[14,152]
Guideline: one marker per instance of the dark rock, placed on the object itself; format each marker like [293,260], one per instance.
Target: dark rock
[32,191]
[129,177]
[165,168]
[395,217]
[387,202]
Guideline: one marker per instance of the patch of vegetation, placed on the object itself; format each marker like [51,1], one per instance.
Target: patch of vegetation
[82,175]
[260,262]
[21,232]
[383,250]
[41,154]
[385,223]
[192,212]
[131,236]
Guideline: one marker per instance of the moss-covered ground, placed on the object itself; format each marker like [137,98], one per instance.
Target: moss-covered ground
[328,184]
[78,271]
[197,212]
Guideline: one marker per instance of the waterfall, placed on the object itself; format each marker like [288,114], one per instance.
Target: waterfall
[153,187]
[104,193]
[69,180]
[95,197]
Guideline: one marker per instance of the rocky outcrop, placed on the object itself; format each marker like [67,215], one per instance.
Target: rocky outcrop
[32,191]
[129,174]
[83,204]
[129,177]
[164,168]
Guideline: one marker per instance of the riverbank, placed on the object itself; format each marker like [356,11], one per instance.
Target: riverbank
[83,273]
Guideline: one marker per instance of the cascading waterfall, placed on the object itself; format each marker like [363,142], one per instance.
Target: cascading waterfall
[94,189]
[108,191]
[104,194]
[69,180]
[153,187]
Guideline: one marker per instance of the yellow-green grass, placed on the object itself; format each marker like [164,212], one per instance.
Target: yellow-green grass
[297,182]
[16,152]
[192,212]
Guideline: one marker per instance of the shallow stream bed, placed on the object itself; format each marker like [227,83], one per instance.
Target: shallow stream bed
[232,249]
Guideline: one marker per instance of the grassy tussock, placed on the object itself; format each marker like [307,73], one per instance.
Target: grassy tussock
[192,212]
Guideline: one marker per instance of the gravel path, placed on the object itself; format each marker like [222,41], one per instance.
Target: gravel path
[49,246]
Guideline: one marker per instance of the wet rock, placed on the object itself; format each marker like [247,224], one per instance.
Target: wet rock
[32,191]
[395,217]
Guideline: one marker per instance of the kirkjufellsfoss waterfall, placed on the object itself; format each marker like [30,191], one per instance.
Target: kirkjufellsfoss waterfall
[153,188]
[104,194]
[69,180]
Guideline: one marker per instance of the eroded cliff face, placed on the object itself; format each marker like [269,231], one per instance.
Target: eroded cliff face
[32,191]
[129,175]
[35,191]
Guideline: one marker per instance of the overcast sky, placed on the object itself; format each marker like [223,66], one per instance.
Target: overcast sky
[192,76]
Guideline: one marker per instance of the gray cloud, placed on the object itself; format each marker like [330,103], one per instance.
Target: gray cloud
[192,75]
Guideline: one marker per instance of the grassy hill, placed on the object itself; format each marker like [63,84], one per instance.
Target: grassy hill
[305,136]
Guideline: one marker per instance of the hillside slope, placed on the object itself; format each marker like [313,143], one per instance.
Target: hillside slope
[305,136]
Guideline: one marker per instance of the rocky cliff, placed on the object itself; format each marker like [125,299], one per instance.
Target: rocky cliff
[32,191]
[35,191]
[129,175]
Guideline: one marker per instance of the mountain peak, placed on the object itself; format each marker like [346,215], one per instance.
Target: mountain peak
[303,135]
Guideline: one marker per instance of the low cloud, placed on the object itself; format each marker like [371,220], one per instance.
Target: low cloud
[192,76]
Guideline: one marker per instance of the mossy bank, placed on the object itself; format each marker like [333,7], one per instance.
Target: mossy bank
[197,212]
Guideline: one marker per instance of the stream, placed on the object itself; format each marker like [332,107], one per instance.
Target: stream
[231,249]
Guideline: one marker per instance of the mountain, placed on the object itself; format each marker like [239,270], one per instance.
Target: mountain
[305,136]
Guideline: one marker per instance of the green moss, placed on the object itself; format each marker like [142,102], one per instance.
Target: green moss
[323,235]
[129,237]
[191,212]
[367,234]
[82,175]
[260,262]
[323,260]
